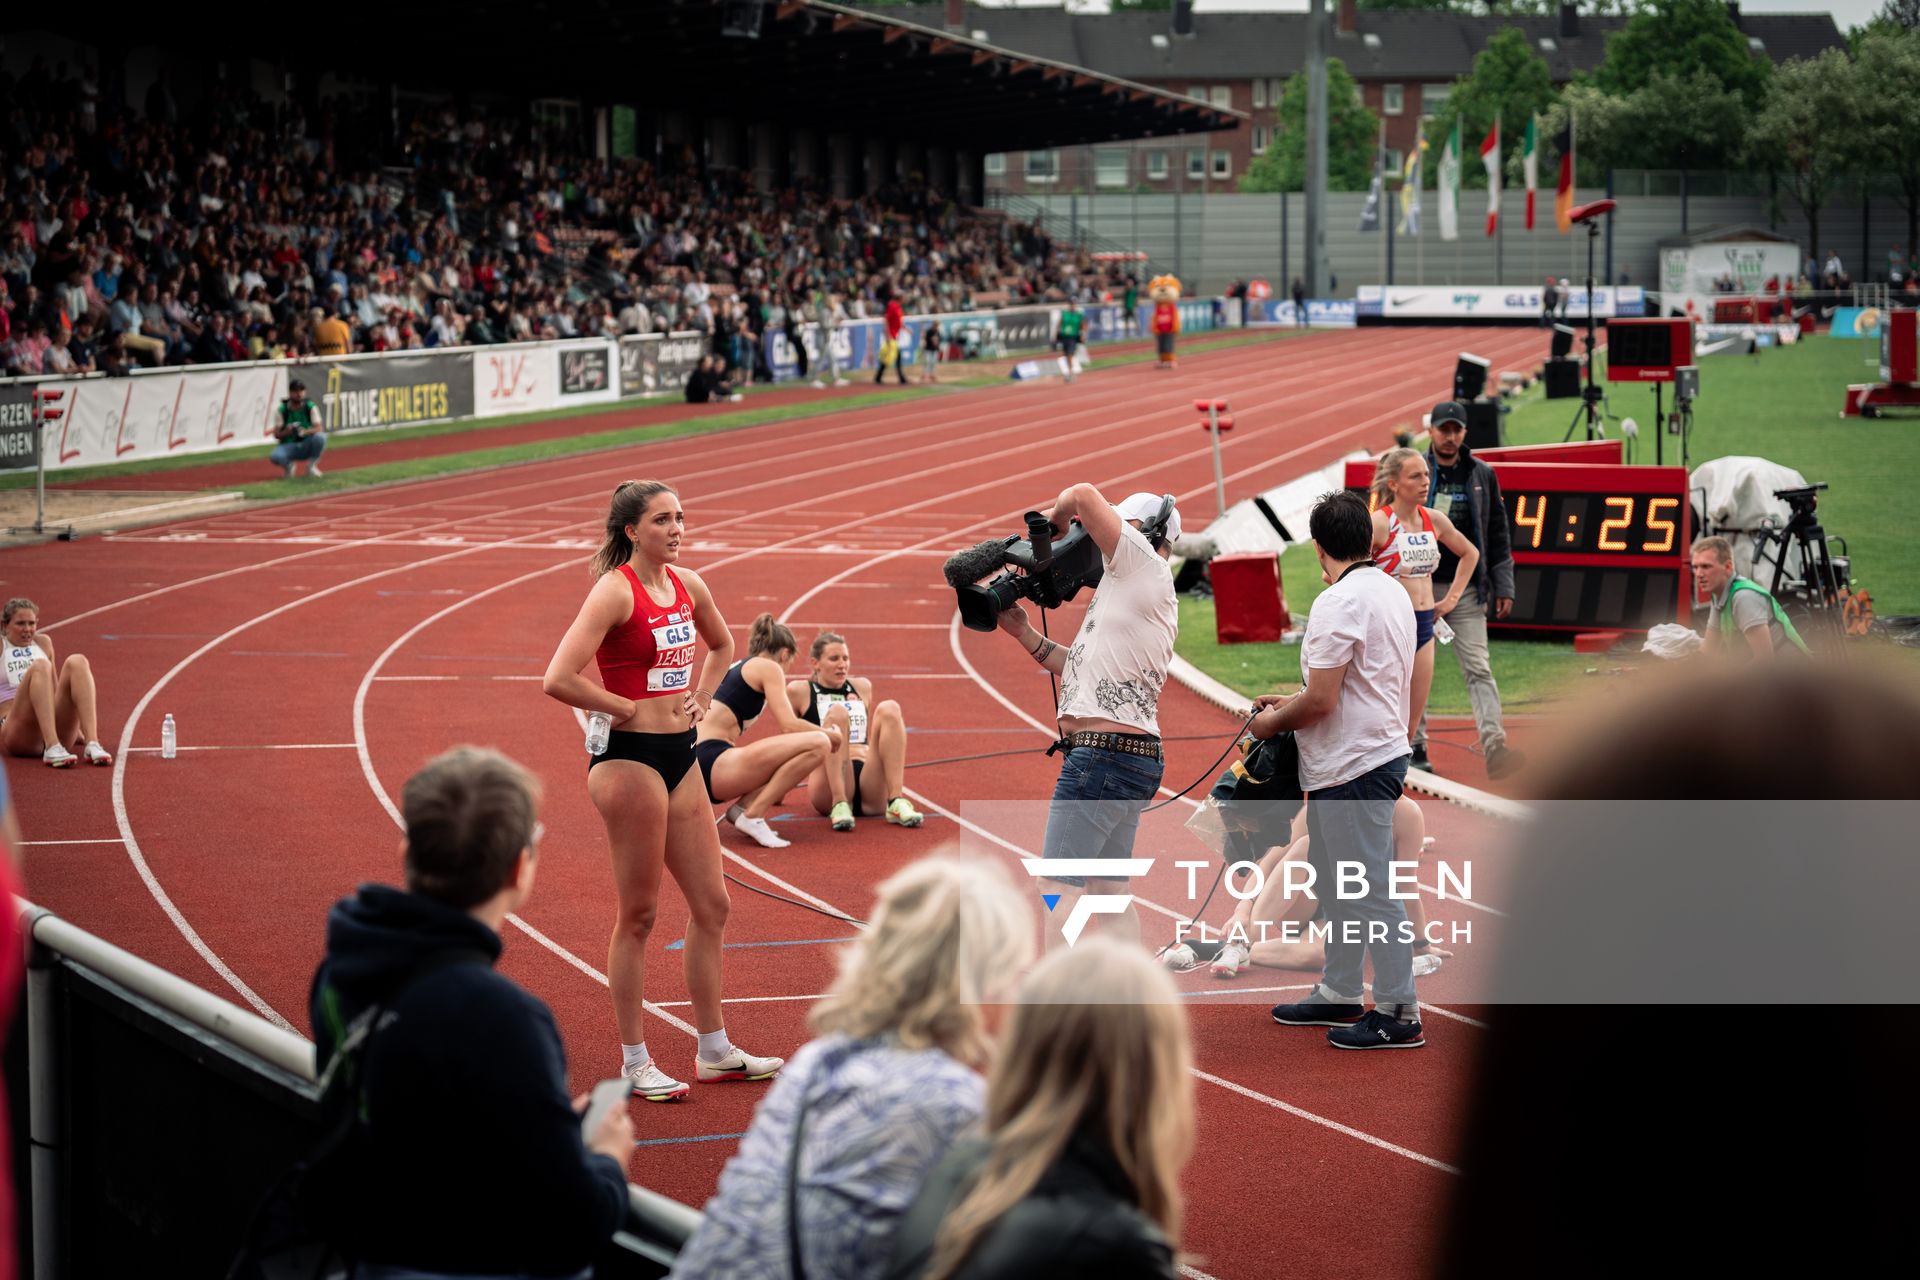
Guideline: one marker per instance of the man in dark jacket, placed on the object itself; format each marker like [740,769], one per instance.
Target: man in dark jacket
[1466,490]
[469,1158]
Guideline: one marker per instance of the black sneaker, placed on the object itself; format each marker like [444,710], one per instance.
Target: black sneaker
[1377,1031]
[1420,760]
[1315,1012]
[1503,760]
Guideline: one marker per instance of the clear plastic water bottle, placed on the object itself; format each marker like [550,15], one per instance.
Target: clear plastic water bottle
[599,725]
[1442,632]
[169,739]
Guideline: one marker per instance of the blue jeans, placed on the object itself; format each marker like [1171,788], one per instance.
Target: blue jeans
[1096,806]
[1353,822]
[288,452]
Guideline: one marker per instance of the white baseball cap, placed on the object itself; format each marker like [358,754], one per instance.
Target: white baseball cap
[1144,507]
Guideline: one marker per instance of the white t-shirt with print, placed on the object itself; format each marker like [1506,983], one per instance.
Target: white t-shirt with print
[1119,658]
[1364,621]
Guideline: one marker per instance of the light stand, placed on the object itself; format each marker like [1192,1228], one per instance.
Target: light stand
[1590,395]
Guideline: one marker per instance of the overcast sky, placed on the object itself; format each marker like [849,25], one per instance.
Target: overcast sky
[1846,13]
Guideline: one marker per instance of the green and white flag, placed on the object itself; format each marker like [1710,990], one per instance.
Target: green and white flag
[1450,186]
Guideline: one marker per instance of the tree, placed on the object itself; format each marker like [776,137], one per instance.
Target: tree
[1353,133]
[1509,80]
[1679,37]
[1888,67]
[1681,121]
[1902,13]
[1807,130]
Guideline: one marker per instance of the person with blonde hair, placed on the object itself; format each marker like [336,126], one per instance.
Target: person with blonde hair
[841,1144]
[759,774]
[47,708]
[1090,1118]
[875,732]
[1407,537]
[641,622]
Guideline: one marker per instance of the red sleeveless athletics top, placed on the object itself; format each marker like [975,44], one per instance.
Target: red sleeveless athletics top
[650,655]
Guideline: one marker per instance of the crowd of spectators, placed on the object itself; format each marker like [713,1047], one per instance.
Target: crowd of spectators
[243,230]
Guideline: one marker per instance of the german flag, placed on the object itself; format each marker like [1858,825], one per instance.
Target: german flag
[1563,194]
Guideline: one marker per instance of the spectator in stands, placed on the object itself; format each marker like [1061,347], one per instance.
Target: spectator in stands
[856,1121]
[1835,275]
[1467,491]
[468,1157]
[1089,1122]
[126,321]
[707,384]
[827,318]
[1740,609]
[331,336]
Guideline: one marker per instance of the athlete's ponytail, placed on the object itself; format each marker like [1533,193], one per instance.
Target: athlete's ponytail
[768,636]
[630,501]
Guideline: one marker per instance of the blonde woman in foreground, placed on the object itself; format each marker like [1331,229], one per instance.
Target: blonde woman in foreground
[1089,1123]
[855,1122]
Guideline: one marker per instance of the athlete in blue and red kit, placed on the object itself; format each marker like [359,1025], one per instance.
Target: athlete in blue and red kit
[641,622]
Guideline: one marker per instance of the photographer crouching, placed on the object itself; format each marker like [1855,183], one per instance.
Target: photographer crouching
[1110,681]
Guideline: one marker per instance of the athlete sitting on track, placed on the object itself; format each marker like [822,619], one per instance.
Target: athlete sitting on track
[40,713]
[644,784]
[829,697]
[761,773]
[1241,942]
[1407,537]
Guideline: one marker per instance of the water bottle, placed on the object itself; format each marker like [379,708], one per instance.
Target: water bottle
[599,725]
[1442,632]
[169,741]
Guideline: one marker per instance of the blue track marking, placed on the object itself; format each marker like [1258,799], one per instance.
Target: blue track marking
[680,944]
[704,1137]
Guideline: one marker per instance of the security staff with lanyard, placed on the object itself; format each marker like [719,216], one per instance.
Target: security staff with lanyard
[301,433]
[1739,606]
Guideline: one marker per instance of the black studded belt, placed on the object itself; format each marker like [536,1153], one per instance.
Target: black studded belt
[1133,744]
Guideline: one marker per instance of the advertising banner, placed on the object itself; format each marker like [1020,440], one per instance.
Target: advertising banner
[19,441]
[392,391]
[1469,302]
[513,380]
[163,414]
[587,371]
[632,359]
[1322,313]
[659,363]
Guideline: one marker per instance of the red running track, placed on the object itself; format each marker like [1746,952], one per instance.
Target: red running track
[315,653]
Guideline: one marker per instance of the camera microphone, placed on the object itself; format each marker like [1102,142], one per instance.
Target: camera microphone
[964,568]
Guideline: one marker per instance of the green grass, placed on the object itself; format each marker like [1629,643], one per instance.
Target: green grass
[1783,405]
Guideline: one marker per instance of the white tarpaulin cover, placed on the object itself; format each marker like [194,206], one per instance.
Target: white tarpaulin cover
[1736,498]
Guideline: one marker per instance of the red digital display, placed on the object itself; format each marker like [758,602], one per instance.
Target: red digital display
[1647,350]
[1595,546]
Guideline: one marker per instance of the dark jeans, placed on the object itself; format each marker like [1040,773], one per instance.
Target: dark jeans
[1353,822]
[1096,806]
[309,450]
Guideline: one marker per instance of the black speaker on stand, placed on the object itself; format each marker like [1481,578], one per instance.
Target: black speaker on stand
[1485,429]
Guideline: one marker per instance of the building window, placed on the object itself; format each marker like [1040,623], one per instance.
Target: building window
[1110,168]
[1259,93]
[1262,139]
[1395,158]
[1197,92]
[1043,166]
[1196,165]
[997,164]
[1223,96]
[1274,89]
[1393,99]
[1157,165]
[1223,164]
[1433,97]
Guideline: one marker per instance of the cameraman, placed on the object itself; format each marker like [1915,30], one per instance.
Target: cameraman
[1110,682]
[1738,604]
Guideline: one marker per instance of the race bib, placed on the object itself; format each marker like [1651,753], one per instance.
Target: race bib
[1420,554]
[856,716]
[673,662]
[19,658]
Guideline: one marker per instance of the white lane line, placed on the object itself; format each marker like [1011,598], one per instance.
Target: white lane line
[108,840]
[1347,1129]
[254,746]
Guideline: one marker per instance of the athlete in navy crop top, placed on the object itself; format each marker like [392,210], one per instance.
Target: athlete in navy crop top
[759,774]
[642,621]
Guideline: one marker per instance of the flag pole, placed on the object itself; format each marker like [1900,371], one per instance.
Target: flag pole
[1499,209]
[1380,178]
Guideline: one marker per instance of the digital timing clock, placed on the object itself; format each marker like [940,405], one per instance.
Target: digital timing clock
[1595,545]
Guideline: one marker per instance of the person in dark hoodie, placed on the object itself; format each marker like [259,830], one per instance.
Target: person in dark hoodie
[1089,1121]
[468,1159]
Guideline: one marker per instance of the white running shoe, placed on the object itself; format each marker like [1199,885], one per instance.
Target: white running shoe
[839,382]
[1233,957]
[737,1065]
[1180,959]
[313,471]
[1425,964]
[757,830]
[820,384]
[655,1085]
[96,754]
[58,757]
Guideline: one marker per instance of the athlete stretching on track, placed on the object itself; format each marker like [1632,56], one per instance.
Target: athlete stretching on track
[761,773]
[875,732]
[43,713]
[640,621]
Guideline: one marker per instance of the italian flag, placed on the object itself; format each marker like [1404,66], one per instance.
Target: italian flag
[1530,162]
[1490,157]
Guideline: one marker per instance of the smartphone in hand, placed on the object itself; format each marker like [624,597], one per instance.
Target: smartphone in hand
[606,1095]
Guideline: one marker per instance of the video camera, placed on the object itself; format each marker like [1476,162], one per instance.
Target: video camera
[1047,568]
[1801,500]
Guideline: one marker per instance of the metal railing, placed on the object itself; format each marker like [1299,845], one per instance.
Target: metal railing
[225,1101]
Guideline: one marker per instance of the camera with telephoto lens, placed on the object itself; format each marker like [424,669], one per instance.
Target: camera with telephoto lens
[1046,567]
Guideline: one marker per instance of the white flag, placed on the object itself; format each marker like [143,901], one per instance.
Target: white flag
[1450,186]
[1490,157]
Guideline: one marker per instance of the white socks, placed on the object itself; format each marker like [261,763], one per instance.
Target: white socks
[714,1045]
[633,1056]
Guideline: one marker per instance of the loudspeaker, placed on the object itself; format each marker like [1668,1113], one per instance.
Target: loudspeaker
[1470,376]
[1563,379]
[1562,341]
[1485,430]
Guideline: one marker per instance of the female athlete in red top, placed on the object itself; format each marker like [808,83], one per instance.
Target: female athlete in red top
[641,621]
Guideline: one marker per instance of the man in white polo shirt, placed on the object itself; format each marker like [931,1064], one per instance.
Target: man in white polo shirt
[1350,723]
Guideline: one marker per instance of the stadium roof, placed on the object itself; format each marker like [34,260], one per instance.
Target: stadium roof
[811,64]
[1387,44]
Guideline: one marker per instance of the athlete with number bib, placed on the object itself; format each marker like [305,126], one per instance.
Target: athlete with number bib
[1407,537]
[876,733]
[642,621]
